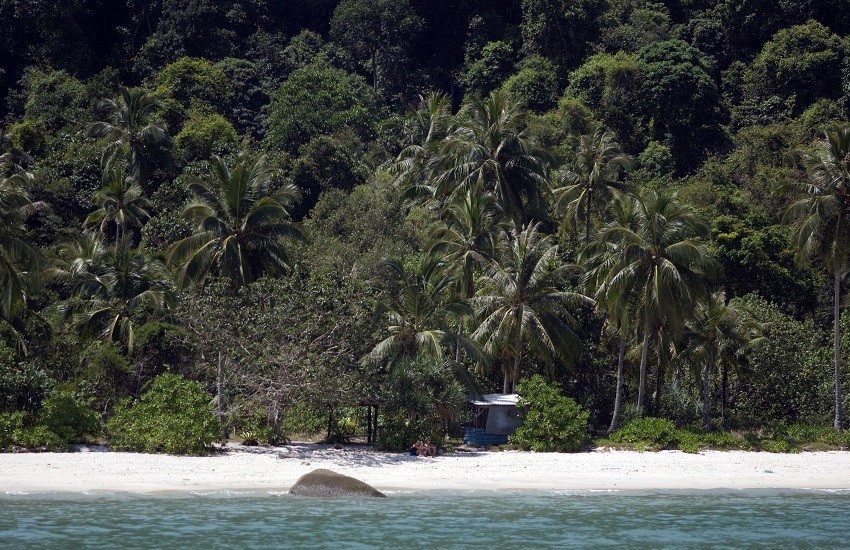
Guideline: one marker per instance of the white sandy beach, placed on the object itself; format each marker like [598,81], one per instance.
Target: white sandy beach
[277,469]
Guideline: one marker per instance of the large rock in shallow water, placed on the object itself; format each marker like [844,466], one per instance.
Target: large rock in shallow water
[326,483]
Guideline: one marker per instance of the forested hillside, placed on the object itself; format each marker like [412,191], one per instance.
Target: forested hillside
[281,210]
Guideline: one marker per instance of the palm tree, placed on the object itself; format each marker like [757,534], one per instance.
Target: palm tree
[239,225]
[132,124]
[523,306]
[20,261]
[618,309]
[467,237]
[426,130]
[417,306]
[659,266]
[120,201]
[718,332]
[114,285]
[492,149]
[595,175]
[466,241]
[824,231]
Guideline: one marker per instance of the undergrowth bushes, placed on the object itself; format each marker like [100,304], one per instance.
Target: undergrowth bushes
[653,434]
[64,418]
[172,416]
[552,422]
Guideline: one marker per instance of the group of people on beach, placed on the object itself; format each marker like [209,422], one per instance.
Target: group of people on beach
[423,448]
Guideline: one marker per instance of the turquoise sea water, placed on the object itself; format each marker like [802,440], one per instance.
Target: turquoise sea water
[487,519]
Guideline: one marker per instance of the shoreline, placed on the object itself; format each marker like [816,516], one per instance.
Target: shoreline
[261,469]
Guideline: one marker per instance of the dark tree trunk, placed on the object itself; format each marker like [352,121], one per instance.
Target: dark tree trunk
[644,354]
[219,383]
[618,393]
[519,353]
[839,420]
[724,391]
[705,382]
[459,336]
[659,378]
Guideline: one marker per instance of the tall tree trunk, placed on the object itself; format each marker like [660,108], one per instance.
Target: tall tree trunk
[276,417]
[375,71]
[644,354]
[470,292]
[219,388]
[506,381]
[618,393]
[660,375]
[839,420]
[723,391]
[459,336]
[706,371]
[519,352]
[587,215]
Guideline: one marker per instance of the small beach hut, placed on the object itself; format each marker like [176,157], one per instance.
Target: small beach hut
[494,417]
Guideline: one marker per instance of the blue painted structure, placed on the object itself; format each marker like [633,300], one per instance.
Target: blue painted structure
[494,417]
[479,438]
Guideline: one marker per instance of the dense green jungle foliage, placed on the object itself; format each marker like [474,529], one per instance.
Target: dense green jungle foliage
[305,206]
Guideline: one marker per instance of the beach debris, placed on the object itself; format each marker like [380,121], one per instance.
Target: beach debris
[768,471]
[327,483]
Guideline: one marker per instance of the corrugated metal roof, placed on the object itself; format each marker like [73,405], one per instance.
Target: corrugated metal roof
[497,399]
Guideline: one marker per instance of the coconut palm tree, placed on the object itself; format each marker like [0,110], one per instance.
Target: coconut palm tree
[131,125]
[824,229]
[466,240]
[492,148]
[121,202]
[467,237]
[660,266]
[112,286]
[718,332]
[593,178]
[618,309]
[523,306]
[20,260]
[417,305]
[239,225]
[426,129]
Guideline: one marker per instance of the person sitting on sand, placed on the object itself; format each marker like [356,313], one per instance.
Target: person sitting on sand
[429,448]
[416,448]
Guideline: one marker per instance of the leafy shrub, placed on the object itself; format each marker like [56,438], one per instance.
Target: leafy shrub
[261,435]
[553,422]
[15,433]
[779,446]
[10,425]
[796,436]
[723,440]
[343,425]
[688,442]
[172,416]
[22,385]
[398,432]
[40,437]
[107,374]
[69,417]
[648,434]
